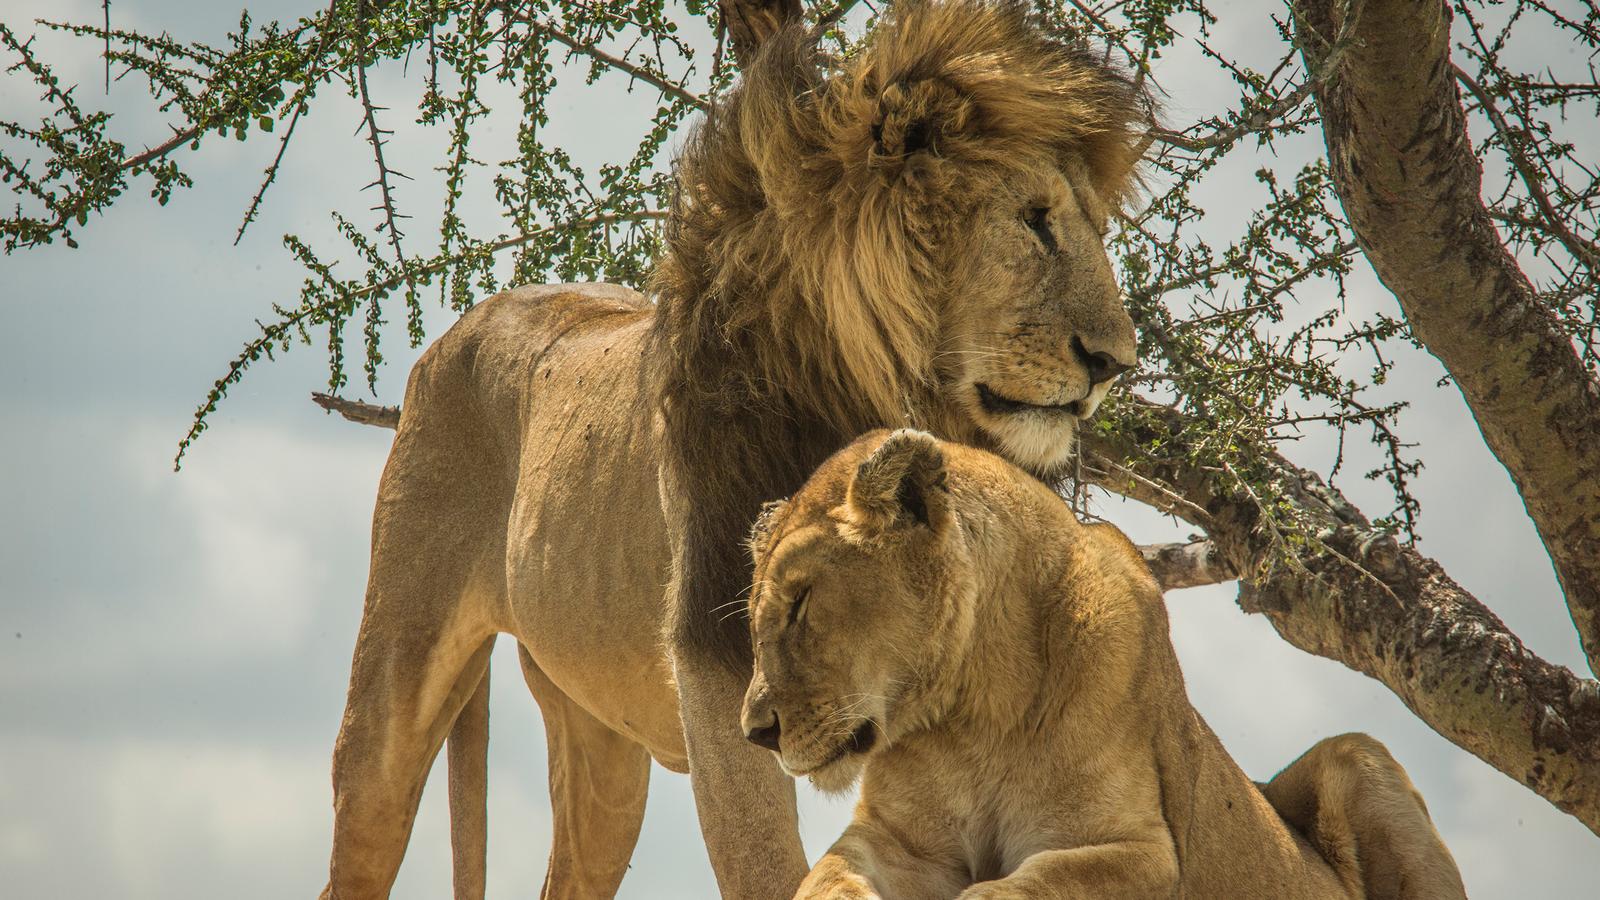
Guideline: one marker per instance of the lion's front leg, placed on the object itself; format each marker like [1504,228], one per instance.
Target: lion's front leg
[1127,869]
[745,802]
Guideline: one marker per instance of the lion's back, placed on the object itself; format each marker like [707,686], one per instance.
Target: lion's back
[485,365]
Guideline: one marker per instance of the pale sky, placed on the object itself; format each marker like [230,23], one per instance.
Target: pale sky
[174,649]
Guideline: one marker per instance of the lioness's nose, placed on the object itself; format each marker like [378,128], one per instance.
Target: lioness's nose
[765,735]
[1102,365]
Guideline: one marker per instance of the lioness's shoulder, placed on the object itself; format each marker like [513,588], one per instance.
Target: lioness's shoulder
[1118,559]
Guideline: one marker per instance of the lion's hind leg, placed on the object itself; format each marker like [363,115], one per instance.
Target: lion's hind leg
[598,783]
[468,761]
[403,700]
[1357,806]
[435,592]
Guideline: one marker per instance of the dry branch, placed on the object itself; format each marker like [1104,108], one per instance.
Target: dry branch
[357,411]
[1188,565]
[1411,185]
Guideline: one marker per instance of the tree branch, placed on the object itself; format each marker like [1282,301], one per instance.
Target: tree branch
[358,411]
[1188,565]
[302,103]
[443,261]
[1354,595]
[1406,174]
[180,136]
[391,218]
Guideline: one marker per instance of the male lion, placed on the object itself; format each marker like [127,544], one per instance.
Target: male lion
[931,613]
[913,235]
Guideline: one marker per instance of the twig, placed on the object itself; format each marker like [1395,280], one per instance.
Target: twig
[439,264]
[1261,118]
[105,9]
[1151,493]
[656,80]
[299,109]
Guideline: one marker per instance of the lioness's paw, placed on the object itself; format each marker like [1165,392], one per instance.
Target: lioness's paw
[994,890]
[838,890]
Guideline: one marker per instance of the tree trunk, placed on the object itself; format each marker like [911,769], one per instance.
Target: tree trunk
[1411,186]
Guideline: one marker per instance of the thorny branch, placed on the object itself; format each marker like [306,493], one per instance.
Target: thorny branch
[302,102]
[1550,220]
[391,218]
[587,48]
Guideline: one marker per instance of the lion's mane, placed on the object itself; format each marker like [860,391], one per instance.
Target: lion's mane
[802,247]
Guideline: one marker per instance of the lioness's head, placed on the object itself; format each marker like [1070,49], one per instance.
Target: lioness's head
[915,234]
[862,594]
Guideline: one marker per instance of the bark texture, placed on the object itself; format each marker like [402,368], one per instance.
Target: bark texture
[1406,174]
[1356,596]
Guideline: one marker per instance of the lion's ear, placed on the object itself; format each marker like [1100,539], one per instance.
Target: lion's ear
[901,485]
[917,117]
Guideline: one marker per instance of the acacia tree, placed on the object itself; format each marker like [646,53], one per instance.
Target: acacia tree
[1452,170]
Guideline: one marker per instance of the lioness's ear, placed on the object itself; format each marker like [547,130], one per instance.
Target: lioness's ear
[761,531]
[902,484]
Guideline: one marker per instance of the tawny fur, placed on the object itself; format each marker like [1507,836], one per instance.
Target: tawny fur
[1003,674]
[853,246]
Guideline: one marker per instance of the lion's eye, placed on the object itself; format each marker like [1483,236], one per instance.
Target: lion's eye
[1038,220]
[799,603]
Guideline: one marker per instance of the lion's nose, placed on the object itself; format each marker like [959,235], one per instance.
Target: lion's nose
[1102,366]
[765,735]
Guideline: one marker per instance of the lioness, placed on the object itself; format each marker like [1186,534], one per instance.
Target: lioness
[932,614]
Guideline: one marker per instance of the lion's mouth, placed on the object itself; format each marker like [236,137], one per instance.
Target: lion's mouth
[997,405]
[860,741]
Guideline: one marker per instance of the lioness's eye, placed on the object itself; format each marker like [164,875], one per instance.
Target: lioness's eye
[799,603]
[1038,219]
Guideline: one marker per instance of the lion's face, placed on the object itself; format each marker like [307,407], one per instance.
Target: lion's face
[858,593]
[913,233]
[1036,330]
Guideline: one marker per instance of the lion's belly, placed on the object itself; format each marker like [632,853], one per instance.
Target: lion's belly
[587,554]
